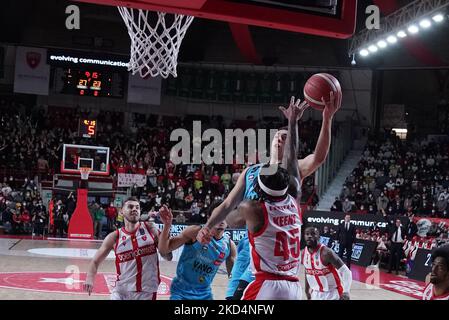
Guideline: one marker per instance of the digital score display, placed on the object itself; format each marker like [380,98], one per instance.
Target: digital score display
[92,83]
[87,128]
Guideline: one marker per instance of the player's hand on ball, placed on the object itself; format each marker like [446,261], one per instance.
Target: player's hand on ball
[204,236]
[295,110]
[166,215]
[88,286]
[345,296]
[332,105]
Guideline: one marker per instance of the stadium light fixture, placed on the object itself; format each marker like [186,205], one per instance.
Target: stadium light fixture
[416,16]
[364,53]
[392,39]
[372,48]
[402,34]
[438,18]
[425,24]
[382,44]
[413,29]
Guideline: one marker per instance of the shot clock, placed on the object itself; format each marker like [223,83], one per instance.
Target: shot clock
[87,128]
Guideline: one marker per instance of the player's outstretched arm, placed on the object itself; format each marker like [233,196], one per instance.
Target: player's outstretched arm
[166,244]
[312,162]
[220,213]
[293,114]
[330,257]
[100,255]
[231,258]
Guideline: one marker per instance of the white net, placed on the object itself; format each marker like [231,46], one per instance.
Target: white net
[85,173]
[155,40]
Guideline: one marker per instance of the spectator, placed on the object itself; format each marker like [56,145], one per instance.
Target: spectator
[226,180]
[347,206]
[180,218]
[26,221]
[337,206]
[412,228]
[398,234]
[98,217]
[111,215]
[59,226]
[382,202]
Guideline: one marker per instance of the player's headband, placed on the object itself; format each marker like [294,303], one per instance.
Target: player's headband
[271,192]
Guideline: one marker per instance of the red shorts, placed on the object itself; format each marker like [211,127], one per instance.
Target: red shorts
[268,286]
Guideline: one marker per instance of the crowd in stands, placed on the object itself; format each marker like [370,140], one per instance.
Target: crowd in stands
[398,177]
[31,140]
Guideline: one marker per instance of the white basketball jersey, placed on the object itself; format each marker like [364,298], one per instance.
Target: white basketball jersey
[320,277]
[428,294]
[136,260]
[276,247]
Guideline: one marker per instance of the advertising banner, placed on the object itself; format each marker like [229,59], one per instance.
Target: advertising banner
[422,265]
[129,180]
[32,73]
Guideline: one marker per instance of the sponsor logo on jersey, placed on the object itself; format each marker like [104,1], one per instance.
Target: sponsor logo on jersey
[315,272]
[133,254]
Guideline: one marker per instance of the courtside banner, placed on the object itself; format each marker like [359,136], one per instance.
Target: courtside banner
[422,265]
[32,73]
[129,180]
[361,221]
[362,250]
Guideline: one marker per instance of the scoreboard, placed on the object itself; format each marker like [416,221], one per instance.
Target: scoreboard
[89,82]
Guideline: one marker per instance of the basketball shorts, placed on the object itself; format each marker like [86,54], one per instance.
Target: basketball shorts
[328,295]
[115,295]
[273,288]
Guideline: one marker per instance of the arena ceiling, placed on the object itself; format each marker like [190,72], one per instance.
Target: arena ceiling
[41,23]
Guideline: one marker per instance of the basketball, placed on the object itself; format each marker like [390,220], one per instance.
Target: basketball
[319,86]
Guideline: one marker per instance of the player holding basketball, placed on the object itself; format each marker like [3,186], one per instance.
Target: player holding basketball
[136,259]
[327,277]
[438,287]
[198,264]
[244,188]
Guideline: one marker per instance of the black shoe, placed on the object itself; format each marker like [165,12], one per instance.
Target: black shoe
[389,271]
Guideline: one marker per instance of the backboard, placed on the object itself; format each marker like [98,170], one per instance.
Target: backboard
[75,157]
[329,18]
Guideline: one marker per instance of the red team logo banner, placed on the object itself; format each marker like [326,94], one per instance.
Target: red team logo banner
[33,59]
[68,283]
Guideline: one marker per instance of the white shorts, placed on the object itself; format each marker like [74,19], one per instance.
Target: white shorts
[328,295]
[133,295]
[266,289]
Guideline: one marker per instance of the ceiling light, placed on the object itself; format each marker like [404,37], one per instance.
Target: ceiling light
[425,24]
[438,18]
[392,39]
[413,29]
[372,48]
[382,44]
[402,34]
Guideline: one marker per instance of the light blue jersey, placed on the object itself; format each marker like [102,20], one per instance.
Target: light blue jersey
[242,267]
[197,268]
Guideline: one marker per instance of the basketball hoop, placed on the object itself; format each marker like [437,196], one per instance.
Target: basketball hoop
[85,173]
[155,40]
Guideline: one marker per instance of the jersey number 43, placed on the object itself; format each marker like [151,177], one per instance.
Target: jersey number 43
[288,244]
